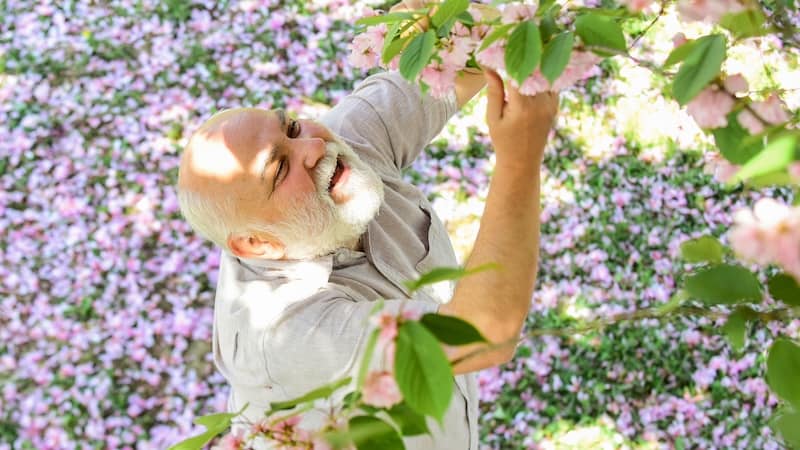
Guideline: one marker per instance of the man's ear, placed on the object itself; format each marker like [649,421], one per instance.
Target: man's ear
[251,246]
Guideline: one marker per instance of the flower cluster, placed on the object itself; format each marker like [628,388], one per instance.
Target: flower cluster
[767,234]
[463,43]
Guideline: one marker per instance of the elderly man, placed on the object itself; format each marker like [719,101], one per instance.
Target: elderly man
[316,223]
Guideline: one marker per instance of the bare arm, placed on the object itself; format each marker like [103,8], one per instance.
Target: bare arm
[497,301]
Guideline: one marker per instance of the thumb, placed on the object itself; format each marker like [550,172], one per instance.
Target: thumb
[495,95]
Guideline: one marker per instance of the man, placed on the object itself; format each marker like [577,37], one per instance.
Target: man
[316,223]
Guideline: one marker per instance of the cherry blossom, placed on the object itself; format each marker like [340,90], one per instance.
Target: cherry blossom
[381,390]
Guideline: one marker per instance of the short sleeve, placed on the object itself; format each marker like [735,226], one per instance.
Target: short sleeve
[321,339]
[391,116]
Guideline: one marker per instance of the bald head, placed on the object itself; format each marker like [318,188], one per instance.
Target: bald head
[262,184]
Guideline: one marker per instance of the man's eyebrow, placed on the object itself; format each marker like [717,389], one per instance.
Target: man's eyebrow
[281,117]
[271,159]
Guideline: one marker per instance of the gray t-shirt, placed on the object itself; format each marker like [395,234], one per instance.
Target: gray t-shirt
[284,328]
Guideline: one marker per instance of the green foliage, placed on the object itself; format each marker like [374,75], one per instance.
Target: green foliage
[787,423]
[215,425]
[524,51]
[371,433]
[600,31]
[735,328]
[724,284]
[679,53]
[417,54]
[392,17]
[451,330]
[783,366]
[448,10]
[497,33]
[368,351]
[700,66]
[784,287]
[745,24]
[445,273]
[777,155]
[411,423]
[556,56]
[733,143]
[706,249]
[422,371]
[320,392]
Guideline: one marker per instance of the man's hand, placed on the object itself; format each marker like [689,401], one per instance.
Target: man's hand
[519,125]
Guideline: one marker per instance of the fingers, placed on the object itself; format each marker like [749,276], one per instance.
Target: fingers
[496,95]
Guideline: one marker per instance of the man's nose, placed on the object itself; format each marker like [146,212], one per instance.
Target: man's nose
[311,150]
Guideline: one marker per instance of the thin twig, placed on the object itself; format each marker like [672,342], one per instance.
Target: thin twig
[650,25]
[658,313]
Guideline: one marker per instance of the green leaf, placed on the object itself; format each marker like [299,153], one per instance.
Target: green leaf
[411,423]
[448,10]
[556,56]
[700,67]
[703,249]
[394,47]
[497,33]
[451,330]
[367,358]
[422,371]
[735,328]
[385,18]
[679,53]
[600,31]
[777,155]
[547,27]
[745,24]
[215,425]
[786,422]
[783,366]
[523,51]
[677,300]
[320,392]
[784,287]
[724,284]
[777,178]
[371,433]
[445,273]
[733,143]
[417,54]
[466,18]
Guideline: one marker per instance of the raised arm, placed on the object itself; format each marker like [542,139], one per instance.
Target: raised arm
[497,301]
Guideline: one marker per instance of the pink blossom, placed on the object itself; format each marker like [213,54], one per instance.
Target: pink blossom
[366,48]
[456,52]
[720,168]
[493,56]
[440,78]
[231,441]
[387,323]
[770,233]
[710,108]
[637,5]
[679,39]
[381,390]
[736,84]
[794,170]
[770,110]
[518,12]
[710,10]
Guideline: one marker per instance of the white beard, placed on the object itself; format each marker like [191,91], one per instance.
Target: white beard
[315,225]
